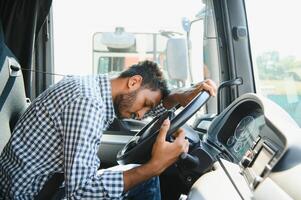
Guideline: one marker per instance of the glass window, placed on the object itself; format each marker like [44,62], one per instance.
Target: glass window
[110,36]
[276,52]
[75,32]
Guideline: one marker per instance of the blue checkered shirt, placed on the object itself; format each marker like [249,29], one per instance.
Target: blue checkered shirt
[60,133]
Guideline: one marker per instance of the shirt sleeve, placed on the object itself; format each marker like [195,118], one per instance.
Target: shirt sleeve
[82,124]
[156,111]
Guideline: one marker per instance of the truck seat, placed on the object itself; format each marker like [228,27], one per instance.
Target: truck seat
[13,101]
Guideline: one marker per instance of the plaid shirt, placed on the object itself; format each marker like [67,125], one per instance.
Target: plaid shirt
[61,132]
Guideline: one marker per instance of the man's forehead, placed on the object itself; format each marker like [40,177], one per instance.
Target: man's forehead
[152,95]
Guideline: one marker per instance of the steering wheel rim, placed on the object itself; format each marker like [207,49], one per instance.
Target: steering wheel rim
[138,149]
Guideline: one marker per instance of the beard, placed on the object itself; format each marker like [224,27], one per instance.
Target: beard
[124,102]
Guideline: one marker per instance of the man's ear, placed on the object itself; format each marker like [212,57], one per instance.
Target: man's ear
[134,82]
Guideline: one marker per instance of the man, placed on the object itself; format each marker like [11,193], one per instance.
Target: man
[61,132]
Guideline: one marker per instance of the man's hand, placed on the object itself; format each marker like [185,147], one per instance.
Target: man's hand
[165,153]
[183,96]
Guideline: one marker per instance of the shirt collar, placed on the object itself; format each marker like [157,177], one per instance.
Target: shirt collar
[106,94]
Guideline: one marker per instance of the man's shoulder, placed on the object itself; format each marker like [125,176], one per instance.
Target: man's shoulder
[68,90]
[79,86]
[91,86]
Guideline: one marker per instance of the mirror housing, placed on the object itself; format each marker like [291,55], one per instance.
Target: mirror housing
[186,24]
[119,40]
[177,59]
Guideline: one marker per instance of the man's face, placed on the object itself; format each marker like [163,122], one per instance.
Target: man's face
[135,104]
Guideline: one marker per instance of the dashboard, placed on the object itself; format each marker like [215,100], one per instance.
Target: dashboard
[256,147]
[246,135]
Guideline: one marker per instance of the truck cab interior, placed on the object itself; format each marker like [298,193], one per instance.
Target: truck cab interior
[243,143]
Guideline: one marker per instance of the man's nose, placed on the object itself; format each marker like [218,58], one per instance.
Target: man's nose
[142,112]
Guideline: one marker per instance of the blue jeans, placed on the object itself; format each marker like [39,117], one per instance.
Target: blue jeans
[148,190]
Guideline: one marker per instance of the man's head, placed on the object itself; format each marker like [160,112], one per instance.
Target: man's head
[145,87]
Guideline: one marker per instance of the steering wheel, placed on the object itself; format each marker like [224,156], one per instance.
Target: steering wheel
[138,149]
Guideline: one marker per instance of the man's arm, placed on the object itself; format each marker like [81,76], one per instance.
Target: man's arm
[81,124]
[182,96]
[163,155]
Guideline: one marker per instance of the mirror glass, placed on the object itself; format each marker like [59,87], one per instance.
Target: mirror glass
[177,60]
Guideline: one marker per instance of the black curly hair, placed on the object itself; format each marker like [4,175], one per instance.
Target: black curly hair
[152,76]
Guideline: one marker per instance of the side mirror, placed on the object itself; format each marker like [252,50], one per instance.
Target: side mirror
[186,24]
[177,59]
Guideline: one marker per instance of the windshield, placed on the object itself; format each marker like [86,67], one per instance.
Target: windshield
[276,51]
[84,38]
[78,38]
